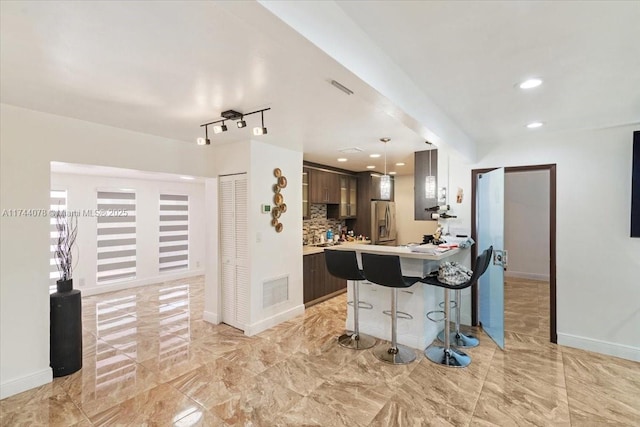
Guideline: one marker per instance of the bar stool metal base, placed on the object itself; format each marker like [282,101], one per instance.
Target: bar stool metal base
[458,339]
[452,357]
[401,355]
[356,342]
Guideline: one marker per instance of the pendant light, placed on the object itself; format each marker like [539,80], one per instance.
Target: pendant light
[430,180]
[385,180]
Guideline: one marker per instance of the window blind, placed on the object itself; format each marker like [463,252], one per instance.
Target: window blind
[174,232]
[116,215]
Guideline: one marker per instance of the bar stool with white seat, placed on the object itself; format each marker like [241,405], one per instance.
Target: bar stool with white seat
[344,264]
[384,270]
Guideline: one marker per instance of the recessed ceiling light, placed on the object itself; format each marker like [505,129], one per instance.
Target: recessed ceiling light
[400,164]
[534,125]
[392,173]
[374,156]
[342,159]
[530,83]
[371,167]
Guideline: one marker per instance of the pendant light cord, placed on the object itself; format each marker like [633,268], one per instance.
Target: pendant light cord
[385,158]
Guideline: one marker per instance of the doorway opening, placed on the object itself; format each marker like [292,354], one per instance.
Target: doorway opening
[525,295]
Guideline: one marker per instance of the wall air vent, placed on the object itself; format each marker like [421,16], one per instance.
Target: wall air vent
[275,291]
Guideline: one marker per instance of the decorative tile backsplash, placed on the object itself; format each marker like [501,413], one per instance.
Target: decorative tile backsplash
[319,223]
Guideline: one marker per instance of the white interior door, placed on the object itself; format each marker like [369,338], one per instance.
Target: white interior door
[234,250]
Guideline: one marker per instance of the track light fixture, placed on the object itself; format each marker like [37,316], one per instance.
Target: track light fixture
[232,115]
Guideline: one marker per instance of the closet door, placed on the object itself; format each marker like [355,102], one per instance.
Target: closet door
[234,250]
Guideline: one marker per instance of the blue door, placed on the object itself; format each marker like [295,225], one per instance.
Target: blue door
[490,208]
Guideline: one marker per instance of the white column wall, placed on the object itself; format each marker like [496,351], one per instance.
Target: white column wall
[274,254]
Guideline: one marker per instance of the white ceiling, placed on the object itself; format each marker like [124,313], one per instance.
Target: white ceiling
[163,68]
[469,56]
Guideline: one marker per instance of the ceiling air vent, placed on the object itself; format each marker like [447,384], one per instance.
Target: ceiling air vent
[351,150]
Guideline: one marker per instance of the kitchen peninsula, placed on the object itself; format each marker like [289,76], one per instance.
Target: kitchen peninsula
[416,301]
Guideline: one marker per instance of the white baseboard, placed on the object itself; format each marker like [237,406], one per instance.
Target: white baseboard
[18,385]
[604,347]
[524,275]
[210,317]
[269,322]
[101,289]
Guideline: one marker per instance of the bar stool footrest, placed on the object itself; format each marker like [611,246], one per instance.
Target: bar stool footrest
[453,304]
[431,313]
[399,314]
[362,305]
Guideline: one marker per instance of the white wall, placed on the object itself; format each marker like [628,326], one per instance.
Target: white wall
[526,224]
[275,254]
[81,196]
[598,265]
[29,141]
[271,254]
[409,230]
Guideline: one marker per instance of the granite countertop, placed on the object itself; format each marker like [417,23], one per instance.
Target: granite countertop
[314,249]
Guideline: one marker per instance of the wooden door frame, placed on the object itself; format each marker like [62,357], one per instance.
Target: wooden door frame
[553,334]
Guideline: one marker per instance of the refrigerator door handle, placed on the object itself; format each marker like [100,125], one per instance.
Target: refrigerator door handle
[387,214]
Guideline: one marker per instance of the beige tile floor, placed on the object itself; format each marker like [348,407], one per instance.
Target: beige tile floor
[526,307]
[150,359]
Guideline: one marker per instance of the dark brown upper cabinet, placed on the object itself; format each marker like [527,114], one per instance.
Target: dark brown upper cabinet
[348,196]
[425,188]
[306,205]
[324,187]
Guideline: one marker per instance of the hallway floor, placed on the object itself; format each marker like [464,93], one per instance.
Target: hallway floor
[526,307]
[149,358]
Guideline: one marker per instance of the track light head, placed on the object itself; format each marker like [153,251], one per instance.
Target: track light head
[203,141]
[241,123]
[220,129]
[260,131]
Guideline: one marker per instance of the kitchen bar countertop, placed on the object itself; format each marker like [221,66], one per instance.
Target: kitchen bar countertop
[402,251]
[314,249]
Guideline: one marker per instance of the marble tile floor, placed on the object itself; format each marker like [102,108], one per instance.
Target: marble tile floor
[526,307]
[150,359]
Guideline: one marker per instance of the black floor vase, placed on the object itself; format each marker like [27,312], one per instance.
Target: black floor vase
[66,329]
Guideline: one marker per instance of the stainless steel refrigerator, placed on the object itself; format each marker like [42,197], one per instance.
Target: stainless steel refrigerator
[383,223]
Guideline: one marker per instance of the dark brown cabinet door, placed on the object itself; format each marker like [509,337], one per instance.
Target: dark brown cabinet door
[353,197]
[324,187]
[317,282]
[306,208]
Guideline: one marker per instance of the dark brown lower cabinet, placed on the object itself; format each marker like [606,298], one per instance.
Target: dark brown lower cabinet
[318,284]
